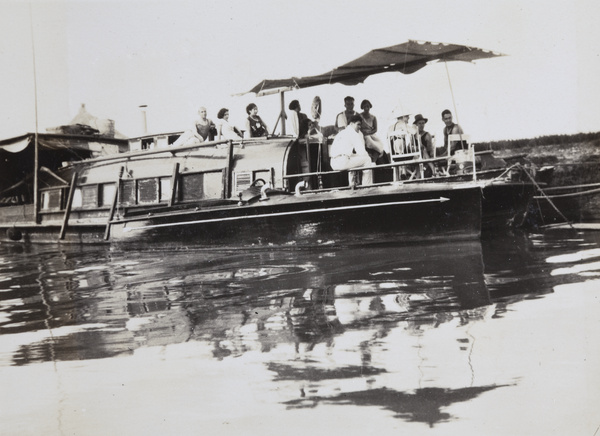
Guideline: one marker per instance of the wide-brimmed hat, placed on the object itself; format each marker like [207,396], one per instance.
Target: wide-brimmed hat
[418,118]
[399,111]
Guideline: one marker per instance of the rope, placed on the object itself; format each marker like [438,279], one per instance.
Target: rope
[574,194]
[546,197]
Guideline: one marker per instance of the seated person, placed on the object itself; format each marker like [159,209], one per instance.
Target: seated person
[226,130]
[348,150]
[427,148]
[342,119]
[369,130]
[203,129]
[401,125]
[450,129]
[300,121]
[255,126]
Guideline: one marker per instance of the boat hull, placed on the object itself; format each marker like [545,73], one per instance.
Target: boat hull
[392,213]
[505,204]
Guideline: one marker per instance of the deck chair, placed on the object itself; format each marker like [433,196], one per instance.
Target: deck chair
[460,140]
[405,146]
[462,157]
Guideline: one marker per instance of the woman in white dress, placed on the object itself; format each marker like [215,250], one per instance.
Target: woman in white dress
[369,128]
[226,130]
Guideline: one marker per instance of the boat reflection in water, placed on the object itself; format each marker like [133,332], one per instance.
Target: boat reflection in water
[382,326]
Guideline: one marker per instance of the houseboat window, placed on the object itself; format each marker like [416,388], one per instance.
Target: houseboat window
[200,186]
[148,191]
[77,198]
[148,144]
[165,188]
[107,193]
[266,175]
[243,180]
[213,185]
[127,192]
[192,187]
[90,195]
[172,139]
[52,199]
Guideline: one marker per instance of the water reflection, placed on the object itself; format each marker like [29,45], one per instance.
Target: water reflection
[386,327]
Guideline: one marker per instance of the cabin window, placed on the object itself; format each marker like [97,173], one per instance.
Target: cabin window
[52,199]
[147,144]
[127,192]
[200,186]
[192,187]
[172,139]
[147,190]
[77,198]
[107,194]
[243,179]
[165,189]
[266,175]
[90,196]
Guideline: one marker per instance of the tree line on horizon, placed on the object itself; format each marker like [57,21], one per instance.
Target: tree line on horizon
[540,141]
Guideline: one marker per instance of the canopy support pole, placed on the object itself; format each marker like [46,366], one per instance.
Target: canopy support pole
[36,158]
[282,116]
[457,121]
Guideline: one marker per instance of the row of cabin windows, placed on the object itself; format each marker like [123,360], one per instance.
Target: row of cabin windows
[191,187]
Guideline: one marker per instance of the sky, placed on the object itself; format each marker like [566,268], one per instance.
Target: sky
[175,56]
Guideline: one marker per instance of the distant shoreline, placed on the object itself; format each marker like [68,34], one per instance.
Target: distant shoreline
[576,158]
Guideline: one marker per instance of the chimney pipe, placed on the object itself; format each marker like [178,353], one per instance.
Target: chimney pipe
[144,119]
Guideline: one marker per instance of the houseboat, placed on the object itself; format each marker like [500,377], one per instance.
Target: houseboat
[248,193]
[276,190]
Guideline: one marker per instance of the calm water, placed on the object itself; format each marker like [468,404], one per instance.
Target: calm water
[500,337]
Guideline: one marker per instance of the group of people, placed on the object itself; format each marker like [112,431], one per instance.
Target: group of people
[357,145]
[204,129]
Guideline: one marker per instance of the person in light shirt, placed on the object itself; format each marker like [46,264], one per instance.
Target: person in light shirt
[348,150]
[226,130]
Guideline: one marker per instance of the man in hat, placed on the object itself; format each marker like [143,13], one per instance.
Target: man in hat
[348,150]
[427,148]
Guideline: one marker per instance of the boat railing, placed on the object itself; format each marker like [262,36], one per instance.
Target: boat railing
[156,151]
[394,165]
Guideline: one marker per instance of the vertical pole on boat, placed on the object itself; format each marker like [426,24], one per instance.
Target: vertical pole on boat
[457,121]
[282,115]
[36,156]
[63,228]
[114,205]
[229,169]
[174,178]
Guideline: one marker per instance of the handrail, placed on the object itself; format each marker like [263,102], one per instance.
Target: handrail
[374,167]
[132,154]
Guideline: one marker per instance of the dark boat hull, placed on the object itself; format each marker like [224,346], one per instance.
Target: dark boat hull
[392,213]
[505,204]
